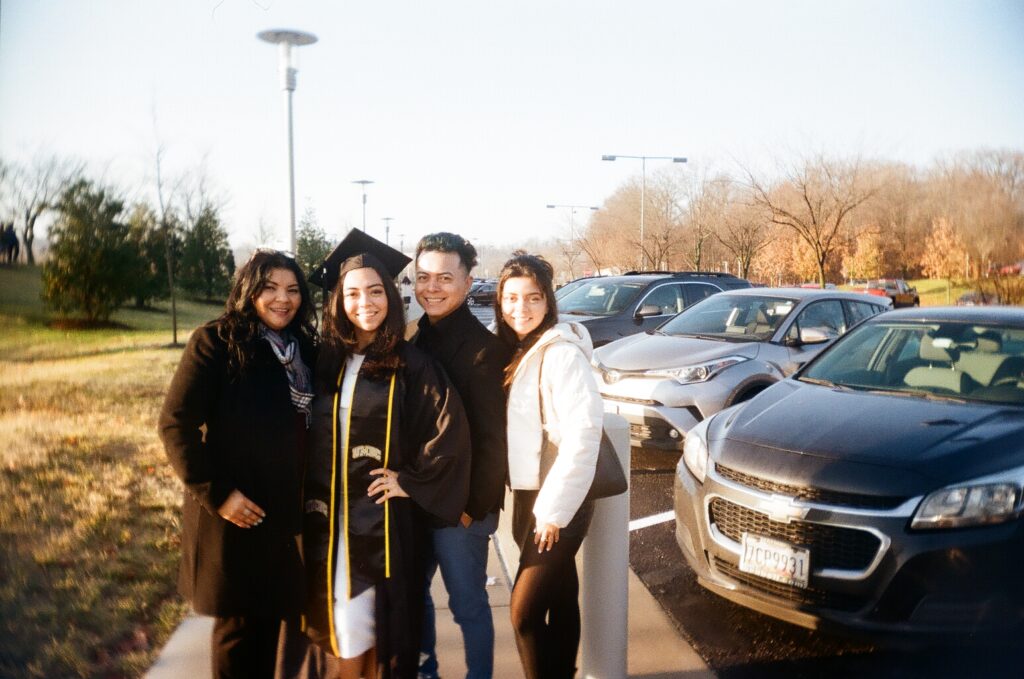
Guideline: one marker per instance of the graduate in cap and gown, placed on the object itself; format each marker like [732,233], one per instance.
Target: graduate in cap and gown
[387,456]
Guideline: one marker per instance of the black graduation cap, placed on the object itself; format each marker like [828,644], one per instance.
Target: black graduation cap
[357,244]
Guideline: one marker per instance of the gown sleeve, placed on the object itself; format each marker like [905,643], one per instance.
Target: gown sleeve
[435,436]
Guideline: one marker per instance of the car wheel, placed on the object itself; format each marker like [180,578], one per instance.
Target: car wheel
[471,300]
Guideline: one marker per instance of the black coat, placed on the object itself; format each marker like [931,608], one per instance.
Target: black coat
[253,442]
[475,359]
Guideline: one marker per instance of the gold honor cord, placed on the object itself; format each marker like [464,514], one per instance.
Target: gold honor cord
[387,450]
[330,543]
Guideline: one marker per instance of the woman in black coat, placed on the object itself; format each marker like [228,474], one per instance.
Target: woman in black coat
[234,426]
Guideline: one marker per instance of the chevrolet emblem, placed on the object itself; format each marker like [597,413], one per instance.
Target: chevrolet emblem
[782,508]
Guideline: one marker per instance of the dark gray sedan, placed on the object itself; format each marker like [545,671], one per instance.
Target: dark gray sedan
[879,489]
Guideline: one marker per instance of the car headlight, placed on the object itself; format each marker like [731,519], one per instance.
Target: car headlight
[976,503]
[695,451]
[699,372]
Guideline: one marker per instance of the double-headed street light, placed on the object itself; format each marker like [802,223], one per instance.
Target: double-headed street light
[285,39]
[572,214]
[643,190]
[364,182]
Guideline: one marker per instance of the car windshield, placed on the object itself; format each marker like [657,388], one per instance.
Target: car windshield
[884,285]
[600,297]
[751,318]
[568,287]
[932,360]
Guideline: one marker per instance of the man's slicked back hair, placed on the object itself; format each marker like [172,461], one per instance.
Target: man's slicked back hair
[443,241]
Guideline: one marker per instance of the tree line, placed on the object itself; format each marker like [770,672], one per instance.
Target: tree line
[818,218]
[106,252]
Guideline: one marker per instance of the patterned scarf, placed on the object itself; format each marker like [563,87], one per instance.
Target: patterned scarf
[286,348]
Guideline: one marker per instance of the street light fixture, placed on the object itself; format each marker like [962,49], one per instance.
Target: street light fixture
[643,189]
[285,39]
[364,182]
[572,235]
[387,228]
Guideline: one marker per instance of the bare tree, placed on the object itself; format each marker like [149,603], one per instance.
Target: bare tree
[815,200]
[707,201]
[168,222]
[663,218]
[36,188]
[743,231]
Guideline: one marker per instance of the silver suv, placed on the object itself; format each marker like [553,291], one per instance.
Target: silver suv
[718,352]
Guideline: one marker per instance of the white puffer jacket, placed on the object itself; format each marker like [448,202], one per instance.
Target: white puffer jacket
[574,415]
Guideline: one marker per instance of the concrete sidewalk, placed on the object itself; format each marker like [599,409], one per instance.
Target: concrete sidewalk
[656,651]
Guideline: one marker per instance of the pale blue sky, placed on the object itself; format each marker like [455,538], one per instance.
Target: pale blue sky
[472,115]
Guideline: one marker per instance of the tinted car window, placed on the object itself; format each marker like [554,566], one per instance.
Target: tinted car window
[826,316]
[599,298]
[668,298]
[695,292]
[858,311]
[739,317]
[970,362]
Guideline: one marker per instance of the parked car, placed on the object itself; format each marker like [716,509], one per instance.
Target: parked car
[879,489]
[482,294]
[977,298]
[612,307]
[718,352]
[896,289]
[570,286]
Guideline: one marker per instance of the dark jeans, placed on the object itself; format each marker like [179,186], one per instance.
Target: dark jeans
[462,555]
[245,647]
[545,599]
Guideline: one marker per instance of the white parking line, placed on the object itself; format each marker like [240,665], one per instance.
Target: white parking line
[664,517]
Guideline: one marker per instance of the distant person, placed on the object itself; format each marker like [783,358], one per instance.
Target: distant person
[389,452]
[10,245]
[233,425]
[474,359]
[554,431]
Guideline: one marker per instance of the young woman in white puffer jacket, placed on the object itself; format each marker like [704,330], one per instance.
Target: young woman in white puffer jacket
[553,399]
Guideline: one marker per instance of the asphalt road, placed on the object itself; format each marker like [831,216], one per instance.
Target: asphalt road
[739,643]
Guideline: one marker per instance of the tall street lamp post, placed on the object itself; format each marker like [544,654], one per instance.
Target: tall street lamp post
[572,234]
[387,228]
[285,39]
[643,190]
[364,182]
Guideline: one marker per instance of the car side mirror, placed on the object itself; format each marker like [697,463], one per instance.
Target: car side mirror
[648,310]
[813,336]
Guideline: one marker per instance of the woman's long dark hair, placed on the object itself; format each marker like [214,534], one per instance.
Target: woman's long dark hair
[339,335]
[523,265]
[239,325]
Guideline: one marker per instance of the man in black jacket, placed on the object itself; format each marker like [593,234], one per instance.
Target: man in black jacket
[475,360]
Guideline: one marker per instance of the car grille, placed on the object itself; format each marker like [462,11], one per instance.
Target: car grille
[830,546]
[818,495]
[811,595]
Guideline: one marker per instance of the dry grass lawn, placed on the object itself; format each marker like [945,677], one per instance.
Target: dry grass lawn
[90,514]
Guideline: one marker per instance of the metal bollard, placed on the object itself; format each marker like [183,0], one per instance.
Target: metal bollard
[604,605]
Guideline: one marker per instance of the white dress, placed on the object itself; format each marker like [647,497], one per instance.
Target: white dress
[354,621]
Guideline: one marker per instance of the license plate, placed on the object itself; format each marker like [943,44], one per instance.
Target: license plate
[775,560]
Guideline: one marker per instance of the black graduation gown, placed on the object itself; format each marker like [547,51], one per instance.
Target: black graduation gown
[429,449]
